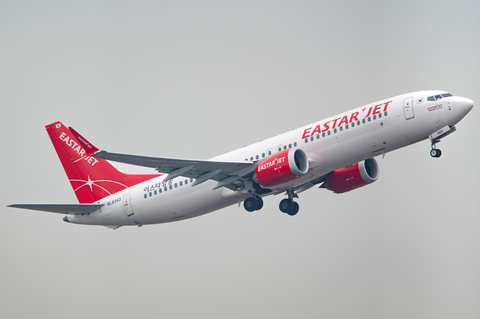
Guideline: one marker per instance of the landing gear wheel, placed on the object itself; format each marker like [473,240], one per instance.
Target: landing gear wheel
[294,210]
[259,201]
[285,205]
[250,204]
[435,152]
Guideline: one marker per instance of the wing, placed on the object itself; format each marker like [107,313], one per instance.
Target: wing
[227,174]
[72,209]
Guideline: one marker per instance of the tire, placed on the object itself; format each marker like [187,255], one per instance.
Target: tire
[285,205]
[259,201]
[294,210]
[250,204]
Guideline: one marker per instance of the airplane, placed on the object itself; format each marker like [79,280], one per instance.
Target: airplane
[336,153]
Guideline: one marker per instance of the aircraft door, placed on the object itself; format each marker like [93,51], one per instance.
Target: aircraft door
[408,108]
[127,206]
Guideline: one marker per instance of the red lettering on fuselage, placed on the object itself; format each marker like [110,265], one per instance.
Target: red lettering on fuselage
[372,110]
[317,130]
[335,123]
[306,133]
[386,104]
[343,121]
[353,117]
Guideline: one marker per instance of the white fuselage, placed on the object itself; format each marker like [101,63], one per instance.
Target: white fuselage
[333,143]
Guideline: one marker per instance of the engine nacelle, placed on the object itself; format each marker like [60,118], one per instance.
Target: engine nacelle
[281,168]
[345,179]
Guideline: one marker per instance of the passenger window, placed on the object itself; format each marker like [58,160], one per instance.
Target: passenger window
[150,194]
[341,128]
[285,147]
[323,134]
[269,152]
[311,138]
[145,195]
[289,145]
[295,144]
[385,113]
[175,185]
[256,157]
[155,192]
[191,180]
[369,119]
[374,117]
[280,149]
[186,181]
[251,158]
[306,140]
[165,189]
[363,121]
[353,124]
[181,183]
[346,126]
[380,115]
[263,155]
[170,187]
[358,122]
[334,130]
[328,132]
[318,136]
[160,191]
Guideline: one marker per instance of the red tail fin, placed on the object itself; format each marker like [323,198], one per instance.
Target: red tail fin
[91,178]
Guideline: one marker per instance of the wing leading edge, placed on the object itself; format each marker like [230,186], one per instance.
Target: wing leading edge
[227,174]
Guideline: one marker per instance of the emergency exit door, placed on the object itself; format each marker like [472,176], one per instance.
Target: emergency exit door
[127,206]
[408,108]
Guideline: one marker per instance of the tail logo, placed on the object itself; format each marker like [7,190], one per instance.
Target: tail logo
[91,183]
[77,148]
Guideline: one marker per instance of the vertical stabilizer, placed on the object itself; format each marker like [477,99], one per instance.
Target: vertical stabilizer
[91,178]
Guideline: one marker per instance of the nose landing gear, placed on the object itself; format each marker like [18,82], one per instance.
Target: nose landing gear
[435,152]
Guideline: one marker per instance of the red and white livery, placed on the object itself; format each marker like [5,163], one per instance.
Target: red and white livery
[336,153]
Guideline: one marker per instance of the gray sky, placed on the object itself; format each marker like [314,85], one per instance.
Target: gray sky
[197,79]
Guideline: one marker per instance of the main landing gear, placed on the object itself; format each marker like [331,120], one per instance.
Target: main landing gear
[253,203]
[287,205]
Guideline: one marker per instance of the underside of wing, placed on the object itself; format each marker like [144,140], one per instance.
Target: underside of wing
[227,174]
[72,209]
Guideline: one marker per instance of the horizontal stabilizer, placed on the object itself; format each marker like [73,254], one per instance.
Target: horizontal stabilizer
[72,209]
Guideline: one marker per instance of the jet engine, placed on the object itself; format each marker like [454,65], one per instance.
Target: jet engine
[348,178]
[281,168]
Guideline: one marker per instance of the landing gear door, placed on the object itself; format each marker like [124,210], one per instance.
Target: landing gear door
[127,206]
[408,108]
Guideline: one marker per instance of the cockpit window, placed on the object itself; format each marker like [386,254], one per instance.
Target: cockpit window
[438,97]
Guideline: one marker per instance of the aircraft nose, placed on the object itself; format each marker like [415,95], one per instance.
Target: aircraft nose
[463,105]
